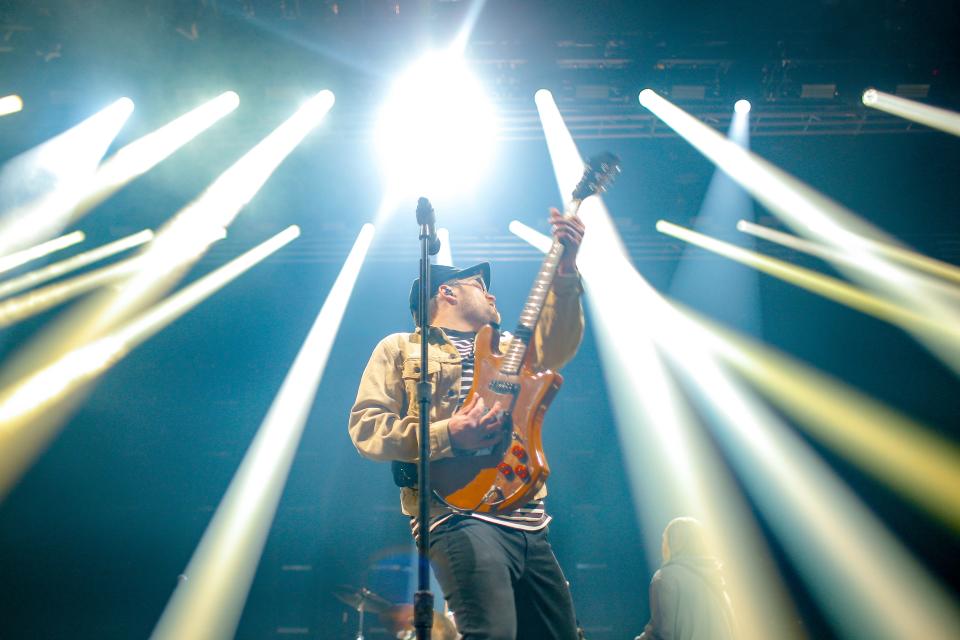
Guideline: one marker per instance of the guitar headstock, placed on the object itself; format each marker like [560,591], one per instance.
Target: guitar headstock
[598,173]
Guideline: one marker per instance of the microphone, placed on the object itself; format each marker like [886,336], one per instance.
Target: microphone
[428,225]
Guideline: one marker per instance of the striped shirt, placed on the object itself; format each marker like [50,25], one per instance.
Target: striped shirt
[530,517]
[464,342]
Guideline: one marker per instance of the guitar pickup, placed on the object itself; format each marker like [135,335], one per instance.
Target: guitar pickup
[504,387]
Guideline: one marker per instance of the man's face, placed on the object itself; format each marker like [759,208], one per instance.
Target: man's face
[477,305]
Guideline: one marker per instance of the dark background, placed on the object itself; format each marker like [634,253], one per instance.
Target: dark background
[94,537]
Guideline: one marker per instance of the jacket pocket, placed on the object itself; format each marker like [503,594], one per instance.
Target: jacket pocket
[445,380]
[411,368]
[411,376]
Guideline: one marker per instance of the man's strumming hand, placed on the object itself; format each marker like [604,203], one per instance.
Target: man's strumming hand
[472,427]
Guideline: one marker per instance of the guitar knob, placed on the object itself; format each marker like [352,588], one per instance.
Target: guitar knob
[519,452]
[522,472]
[505,469]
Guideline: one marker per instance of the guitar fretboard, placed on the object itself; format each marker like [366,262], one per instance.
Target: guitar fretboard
[513,360]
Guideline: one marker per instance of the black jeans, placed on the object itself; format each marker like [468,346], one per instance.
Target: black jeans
[502,583]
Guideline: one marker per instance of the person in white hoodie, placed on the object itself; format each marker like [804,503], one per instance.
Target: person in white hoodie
[688,597]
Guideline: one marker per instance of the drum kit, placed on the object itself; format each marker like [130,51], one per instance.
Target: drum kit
[397,618]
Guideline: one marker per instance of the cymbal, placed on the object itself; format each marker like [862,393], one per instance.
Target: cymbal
[399,618]
[361,598]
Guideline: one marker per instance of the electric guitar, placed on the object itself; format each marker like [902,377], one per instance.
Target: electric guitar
[510,474]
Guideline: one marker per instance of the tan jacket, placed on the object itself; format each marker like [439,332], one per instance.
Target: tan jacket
[384,418]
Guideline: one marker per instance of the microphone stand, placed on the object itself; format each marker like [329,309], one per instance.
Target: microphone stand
[423,599]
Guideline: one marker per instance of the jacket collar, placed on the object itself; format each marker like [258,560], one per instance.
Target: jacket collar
[437,337]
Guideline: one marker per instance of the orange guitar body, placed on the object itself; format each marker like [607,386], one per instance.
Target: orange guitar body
[509,474]
[515,469]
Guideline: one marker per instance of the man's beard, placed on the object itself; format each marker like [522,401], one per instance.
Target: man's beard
[484,314]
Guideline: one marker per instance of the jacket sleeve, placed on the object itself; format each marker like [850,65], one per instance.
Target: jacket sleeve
[379,426]
[662,609]
[560,327]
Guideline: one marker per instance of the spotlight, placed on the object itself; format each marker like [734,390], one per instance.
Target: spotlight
[542,94]
[926,114]
[10,104]
[141,155]
[72,157]
[436,129]
[567,163]
[742,106]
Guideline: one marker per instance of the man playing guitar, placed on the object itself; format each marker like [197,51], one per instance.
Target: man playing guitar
[496,568]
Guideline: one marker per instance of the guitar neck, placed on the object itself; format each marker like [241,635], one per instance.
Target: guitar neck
[530,314]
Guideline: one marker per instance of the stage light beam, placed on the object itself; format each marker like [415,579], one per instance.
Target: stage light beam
[760,439]
[826,286]
[819,218]
[34,407]
[866,583]
[854,565]
[14,310]
[445,256]
[41,217]
[742,106]
[63,267]
[910,457]
[906,256]
[43,178]
[653,422]
[934,117]
[187,235]
[727,291]
[209,603]
[146,152]
[567,163]
[832,255]
[14,260]
[72,157]
[176,246]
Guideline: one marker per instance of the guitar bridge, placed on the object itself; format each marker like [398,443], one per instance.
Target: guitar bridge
[493,497]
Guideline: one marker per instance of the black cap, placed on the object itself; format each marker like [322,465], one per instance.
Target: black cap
[440,273]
